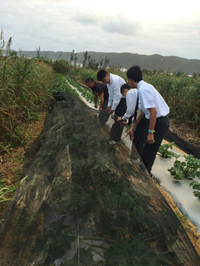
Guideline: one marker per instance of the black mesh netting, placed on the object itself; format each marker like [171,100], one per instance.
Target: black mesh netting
[182,144]
[83,204]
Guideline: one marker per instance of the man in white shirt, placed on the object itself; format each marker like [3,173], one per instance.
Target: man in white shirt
[153,106]
[115,101]
[114,83]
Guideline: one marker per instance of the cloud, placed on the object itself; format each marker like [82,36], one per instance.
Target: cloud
[122,25]
[91,17]
[64,25]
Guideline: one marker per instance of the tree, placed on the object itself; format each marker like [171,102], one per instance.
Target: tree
[91,63]
[106,61]
[85,59]
[13,53]
[101,63]
[38,51]
[73,58]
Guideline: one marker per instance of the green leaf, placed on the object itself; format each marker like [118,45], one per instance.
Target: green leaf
[5,149]
[196,194]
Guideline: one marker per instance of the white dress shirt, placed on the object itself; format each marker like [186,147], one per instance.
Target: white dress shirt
[131,101]
[149,97]
[114,90]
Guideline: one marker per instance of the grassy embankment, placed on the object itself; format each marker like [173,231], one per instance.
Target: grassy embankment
[25,88]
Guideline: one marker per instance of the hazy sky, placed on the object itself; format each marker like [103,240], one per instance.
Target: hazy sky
[148,27]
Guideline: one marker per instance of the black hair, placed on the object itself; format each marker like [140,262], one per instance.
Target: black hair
[89,80]
[125,86]
[134,73]
[101,74]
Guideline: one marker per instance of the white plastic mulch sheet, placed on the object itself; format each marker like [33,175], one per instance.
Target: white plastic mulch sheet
[180,191]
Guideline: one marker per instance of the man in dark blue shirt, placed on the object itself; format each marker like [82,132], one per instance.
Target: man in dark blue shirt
[99,89]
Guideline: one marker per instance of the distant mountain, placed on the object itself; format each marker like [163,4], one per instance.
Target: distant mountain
[125,60]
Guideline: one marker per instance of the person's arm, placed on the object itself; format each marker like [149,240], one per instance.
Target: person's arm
[135,123]
[110,97]
[116,95]
[152,122]
[101,101]
[95,100]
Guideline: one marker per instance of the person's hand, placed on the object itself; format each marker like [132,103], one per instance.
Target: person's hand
[150,138]
[124,123]
[119,119]
[130,133]
[111,111]
[108,108]
[95,105]
[100,109]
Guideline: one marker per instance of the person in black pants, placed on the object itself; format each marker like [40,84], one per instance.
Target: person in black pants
[116,103]
[151,105]
[117,127]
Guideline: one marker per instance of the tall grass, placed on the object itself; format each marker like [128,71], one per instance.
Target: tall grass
[182,93]
[25,88]
[83,73]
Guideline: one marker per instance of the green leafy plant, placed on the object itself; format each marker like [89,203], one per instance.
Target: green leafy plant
[177,170]
[196,185]
[62,86]
[164,150]
[190,168]
[86,93]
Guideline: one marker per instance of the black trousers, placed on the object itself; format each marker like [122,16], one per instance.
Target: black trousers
[149,151]
[138,140]
[105,104]
[116,130]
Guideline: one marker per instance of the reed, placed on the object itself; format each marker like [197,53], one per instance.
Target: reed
[25,88]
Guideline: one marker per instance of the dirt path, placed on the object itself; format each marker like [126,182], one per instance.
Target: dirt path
[11,168]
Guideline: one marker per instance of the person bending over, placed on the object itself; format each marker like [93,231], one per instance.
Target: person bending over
[99,89]
[116,103]
[114,83]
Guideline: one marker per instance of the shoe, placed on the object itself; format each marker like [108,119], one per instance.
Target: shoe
[112,142]
[123,142]
[152,175]
[133,160]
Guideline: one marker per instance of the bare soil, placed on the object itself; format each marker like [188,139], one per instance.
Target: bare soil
[11,168]
[185,132]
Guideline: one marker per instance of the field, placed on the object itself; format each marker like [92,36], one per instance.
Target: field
[27,86]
